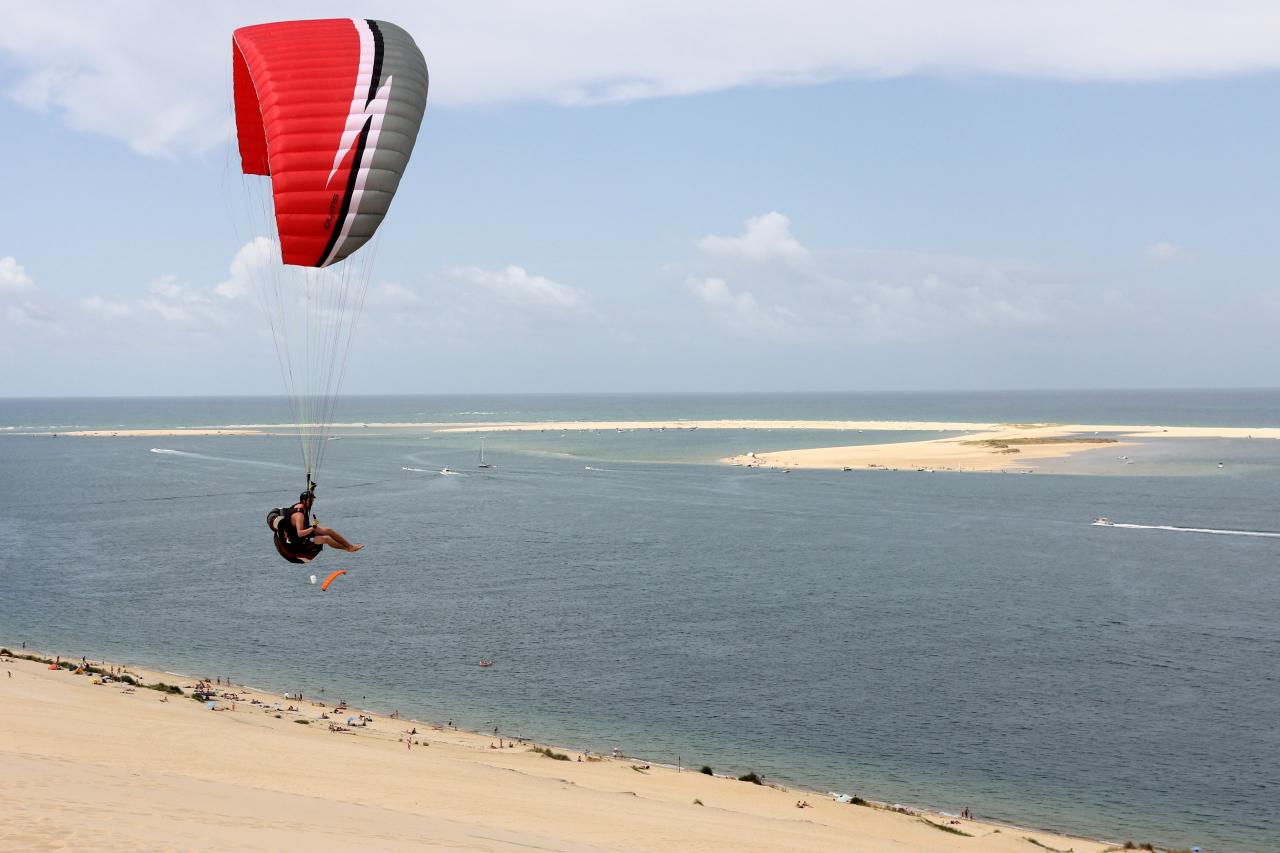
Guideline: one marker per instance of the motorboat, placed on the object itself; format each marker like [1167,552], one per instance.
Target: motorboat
[1103,521]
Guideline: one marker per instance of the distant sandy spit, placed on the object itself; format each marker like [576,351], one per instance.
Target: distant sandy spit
[623,426]
[110,767]
[1010,448]
[152,433]
[1074,435]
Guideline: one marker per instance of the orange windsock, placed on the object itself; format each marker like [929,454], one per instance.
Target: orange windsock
[325,586]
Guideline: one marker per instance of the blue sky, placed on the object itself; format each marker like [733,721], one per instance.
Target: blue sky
[850,196]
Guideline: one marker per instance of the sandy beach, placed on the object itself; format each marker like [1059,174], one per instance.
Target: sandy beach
[114,767]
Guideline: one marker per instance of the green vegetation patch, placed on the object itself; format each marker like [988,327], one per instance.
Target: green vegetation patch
[751,777]
[35,658]
[1000,443]
[165,688]
[945,828]
[549,753]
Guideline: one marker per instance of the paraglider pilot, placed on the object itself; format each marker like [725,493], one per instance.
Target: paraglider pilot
[299,540]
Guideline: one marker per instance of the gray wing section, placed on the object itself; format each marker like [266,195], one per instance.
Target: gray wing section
[404,65]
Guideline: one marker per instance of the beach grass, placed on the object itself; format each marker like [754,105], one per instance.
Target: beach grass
[1025,442]
[549,753]
[945,828]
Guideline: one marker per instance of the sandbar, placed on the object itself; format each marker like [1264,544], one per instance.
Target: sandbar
[1011,448]
[154,433]
[966,446]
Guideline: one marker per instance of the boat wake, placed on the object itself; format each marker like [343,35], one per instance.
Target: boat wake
[188,454]
[1265,534]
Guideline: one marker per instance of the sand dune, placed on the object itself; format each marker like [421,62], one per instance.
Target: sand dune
[94,767]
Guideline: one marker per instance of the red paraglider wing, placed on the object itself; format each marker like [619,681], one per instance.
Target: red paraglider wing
[324,587]
[329,109]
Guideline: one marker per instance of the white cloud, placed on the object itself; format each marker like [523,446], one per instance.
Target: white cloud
[17,297]
[28,313]
[248,267]
[740,310]
[450,302]
[864,296]
[179,303]
[1270,299]
[935,306]
[13,278]
[389,296]
[513,284]
[1164,253]
[764,238]
[169,96]
[162,96]
[168,299]
[106,308]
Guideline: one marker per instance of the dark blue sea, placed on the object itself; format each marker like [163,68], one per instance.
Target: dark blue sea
[944,640]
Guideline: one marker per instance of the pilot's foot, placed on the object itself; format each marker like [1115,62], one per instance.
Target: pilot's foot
[355,548]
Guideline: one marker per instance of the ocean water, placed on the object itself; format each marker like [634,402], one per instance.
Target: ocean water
[940,639]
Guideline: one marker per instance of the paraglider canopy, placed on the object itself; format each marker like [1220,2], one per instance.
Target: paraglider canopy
[330,110]
[325,586]
[327,113]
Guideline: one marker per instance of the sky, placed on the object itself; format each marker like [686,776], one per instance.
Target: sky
[663,196]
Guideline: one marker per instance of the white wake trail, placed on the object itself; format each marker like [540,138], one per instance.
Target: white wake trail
[190,455]
[1217,532]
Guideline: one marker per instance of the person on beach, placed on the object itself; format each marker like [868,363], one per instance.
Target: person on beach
[297,539]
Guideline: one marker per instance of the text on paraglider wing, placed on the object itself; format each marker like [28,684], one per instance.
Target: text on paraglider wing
[333,209]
